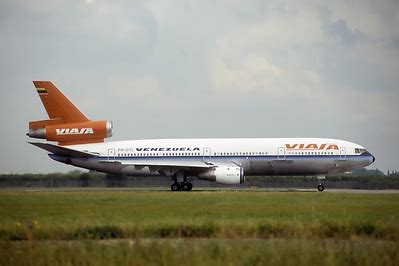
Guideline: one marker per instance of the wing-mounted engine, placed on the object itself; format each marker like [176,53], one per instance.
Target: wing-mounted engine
[71,133]
[229,175]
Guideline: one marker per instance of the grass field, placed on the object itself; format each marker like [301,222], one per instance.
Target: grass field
[217,227]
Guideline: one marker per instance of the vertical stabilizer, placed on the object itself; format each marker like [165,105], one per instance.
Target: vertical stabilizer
[66,124]
[57,105]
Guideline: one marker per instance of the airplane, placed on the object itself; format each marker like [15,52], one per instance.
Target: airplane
[225,160]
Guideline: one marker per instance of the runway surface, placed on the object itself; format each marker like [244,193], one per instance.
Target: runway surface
[204,189]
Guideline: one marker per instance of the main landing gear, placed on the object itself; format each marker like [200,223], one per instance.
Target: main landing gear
[320,187]
[181,186]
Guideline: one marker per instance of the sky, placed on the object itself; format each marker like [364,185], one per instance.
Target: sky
[199,69]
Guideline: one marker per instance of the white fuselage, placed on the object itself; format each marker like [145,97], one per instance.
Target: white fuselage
[257,156]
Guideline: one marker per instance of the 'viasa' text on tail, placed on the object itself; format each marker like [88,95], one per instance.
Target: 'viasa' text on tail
[74,131]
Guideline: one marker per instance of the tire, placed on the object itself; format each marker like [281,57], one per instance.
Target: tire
[320,188]
[190,186]
[184,187]
[175,187]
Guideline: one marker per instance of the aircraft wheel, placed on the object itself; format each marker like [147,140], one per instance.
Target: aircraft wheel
[175,187]
[184,187]
[320,188]
[190,186]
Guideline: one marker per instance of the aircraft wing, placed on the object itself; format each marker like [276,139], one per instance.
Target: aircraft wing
[59,150]
[154,165]
[167,167]
[163,163]
[63,151]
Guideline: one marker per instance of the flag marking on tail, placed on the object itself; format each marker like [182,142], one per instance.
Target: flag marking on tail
[41,90]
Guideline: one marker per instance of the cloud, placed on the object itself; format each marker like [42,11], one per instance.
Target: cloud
[254,75]
[205,69]
[265,57]
[374,19]
[135,89]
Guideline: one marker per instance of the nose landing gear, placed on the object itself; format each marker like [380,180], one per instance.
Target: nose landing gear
[320,187]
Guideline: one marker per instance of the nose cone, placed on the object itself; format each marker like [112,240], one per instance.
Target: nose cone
[370,157]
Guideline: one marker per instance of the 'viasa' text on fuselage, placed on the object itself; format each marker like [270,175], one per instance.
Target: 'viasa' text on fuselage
[312,146]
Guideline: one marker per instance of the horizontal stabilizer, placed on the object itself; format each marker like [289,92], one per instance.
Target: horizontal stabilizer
[59,150]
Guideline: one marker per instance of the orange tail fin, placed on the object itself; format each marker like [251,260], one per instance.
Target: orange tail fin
[57,104]
[67,124]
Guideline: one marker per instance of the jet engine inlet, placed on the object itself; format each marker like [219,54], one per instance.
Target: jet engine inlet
[228,175]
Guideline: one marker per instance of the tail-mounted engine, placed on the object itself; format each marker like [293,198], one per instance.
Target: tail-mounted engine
[70,133]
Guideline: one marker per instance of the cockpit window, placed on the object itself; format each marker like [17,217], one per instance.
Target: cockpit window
[359,150]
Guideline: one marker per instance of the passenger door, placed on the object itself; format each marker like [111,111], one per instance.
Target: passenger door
[111,154]
[342,153]
[206,153]
[281,153]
